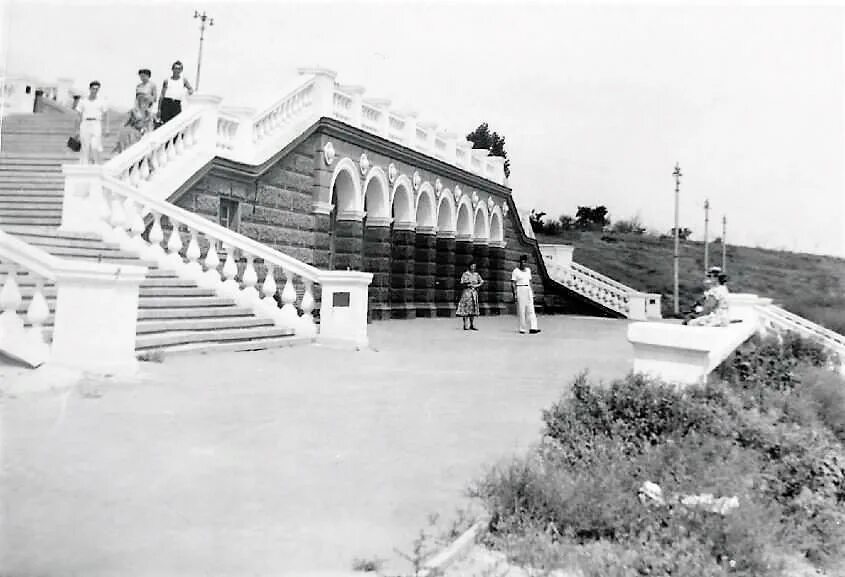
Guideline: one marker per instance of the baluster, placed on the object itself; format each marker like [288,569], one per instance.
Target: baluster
[179,143]
[289,314]
[38,311]
[134,175]
[230,269]
[306,322]
[154,250]
[117,220]
[144,169]
[249,295]
[268,291]
[174,245]
[161,153]
[135,224]
[193,254]
[170,148]
[211,277]
[10,300]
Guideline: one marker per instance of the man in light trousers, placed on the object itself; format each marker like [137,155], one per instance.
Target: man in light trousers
[524,297]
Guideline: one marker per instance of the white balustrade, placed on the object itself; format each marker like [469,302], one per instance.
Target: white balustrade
[96,308]
[783,320]
[184,256]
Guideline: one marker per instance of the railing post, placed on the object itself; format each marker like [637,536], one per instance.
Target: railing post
[343,308]
[357,94]
[96,317]
[324,81]
[207,133]
[82,204]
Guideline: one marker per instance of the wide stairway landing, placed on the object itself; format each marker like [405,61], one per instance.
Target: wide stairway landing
[174,314]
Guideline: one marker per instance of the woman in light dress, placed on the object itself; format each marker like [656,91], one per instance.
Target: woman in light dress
[138,123]
[468,305]
[716,309]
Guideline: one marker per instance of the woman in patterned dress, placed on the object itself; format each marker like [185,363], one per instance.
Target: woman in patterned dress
[468,305]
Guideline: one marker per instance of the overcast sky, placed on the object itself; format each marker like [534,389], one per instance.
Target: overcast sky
[597,102]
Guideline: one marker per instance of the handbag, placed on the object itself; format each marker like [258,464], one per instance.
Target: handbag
[74,143]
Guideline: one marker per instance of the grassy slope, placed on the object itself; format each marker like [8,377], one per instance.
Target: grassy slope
[809,285]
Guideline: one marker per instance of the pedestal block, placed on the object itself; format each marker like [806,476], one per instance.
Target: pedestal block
[403,249]
[425,270]
[499,290]
[376,260]
[481,254]
[347,245]
[445,280]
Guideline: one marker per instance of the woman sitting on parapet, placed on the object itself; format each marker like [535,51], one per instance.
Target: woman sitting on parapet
[716,308]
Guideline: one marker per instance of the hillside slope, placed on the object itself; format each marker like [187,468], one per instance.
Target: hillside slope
[812,286]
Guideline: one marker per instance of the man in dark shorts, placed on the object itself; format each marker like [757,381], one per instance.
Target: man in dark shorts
[173,90]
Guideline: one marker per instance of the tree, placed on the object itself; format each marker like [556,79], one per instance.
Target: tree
[595,218]
[481,137]
[683,233]
[535,217]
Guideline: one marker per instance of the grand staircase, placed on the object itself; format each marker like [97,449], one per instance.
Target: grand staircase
[174,314]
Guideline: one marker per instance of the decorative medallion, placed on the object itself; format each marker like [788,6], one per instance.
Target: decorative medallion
[391,172]
[416,180]
[474,199]
[437,192]
[458,192]
[328,153]
[490,203]
[365,163]
[437,186]
[504,209]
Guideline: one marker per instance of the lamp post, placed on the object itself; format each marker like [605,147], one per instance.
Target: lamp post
[203,18]
[724,241]
[706,236]
[677,174]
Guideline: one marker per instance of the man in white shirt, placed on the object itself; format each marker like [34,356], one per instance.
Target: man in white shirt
[92,113]
[524,297]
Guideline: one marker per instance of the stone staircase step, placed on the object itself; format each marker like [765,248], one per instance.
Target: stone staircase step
[174,338]
[239,346]
[150,326]
[30,220]
[30,204]
[187,302]
[227,310]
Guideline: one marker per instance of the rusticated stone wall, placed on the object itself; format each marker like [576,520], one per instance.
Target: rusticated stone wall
[425,270]
[402,288]
[445,277]
[377,259]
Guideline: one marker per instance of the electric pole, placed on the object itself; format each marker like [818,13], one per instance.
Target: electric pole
[724,241]
[677,174]
[706,237]
[202,18]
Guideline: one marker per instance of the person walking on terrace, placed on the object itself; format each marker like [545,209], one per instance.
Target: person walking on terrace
[524,297]
[468,305]
[138,123]
[173,91]
[146,87]
[93,112]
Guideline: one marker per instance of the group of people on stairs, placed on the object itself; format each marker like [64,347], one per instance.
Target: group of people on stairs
[468,307]
[94,115]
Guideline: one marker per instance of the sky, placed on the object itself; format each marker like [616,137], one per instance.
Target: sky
[597,102]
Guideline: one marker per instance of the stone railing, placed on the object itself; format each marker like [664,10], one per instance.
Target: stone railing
[597,287]
[96,307]
[247,272]
[780,319]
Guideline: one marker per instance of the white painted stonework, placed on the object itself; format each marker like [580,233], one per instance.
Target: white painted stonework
[686,355]
[343,310]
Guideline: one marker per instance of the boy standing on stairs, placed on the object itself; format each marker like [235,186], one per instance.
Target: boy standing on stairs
[92,112]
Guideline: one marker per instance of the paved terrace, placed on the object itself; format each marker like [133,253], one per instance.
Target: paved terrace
[277,462]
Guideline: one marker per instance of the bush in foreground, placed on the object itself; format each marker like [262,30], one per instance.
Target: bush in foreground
[769,431]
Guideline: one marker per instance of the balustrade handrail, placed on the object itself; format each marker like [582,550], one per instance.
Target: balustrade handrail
[267,111]
[602,278]
[808,325]
[149,141]
[51,267]
[597,280]
[215,231]
[613,291]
